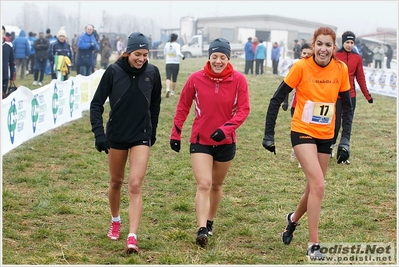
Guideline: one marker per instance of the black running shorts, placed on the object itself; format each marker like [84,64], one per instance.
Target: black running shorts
[323,145]
[220,153]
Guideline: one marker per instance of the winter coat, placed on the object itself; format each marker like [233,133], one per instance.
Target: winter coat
[86,45]
[297,51]
[105,53]
[8,61]
[379,53]
[41,46]
[389,53]
[355,69]
[134,97]
[218,105]
[249,52]
[21,46]
[276,53]
[367,55]
[62,49]
[260,52]
[31,40]
[254,45]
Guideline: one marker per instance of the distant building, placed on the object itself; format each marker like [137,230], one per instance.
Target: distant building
[263,26]
[381,36]
[237,29]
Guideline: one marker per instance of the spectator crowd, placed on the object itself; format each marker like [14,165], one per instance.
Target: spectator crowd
[45,53]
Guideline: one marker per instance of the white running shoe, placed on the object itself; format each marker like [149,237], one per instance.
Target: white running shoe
[172,93]
[167,92]
[34,83]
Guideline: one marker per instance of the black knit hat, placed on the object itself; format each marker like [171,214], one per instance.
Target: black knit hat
[137,40]
[348,36]
[220,45]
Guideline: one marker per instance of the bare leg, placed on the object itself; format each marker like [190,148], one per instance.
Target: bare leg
[219,173]
[117,162]
[138,163]
[315,167]
[202,168]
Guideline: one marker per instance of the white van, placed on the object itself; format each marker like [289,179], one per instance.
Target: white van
[12,28]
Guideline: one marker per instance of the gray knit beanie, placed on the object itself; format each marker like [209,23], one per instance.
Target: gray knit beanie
[136,40]
[220,45]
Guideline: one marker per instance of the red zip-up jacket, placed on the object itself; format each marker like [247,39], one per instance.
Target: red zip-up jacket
[223,105]
[355,69]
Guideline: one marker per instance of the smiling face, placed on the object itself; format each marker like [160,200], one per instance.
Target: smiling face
[323,48]
[137,58]
[218,62]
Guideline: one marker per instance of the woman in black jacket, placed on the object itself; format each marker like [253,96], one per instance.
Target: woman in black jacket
[134,88]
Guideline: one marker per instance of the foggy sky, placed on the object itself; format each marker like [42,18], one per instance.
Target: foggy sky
[360,17]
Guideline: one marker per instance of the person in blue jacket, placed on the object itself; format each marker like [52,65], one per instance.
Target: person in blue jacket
[249,57]
[87,44]
[155,46]
[21,52]
[275,57]
[260,56]
[31,58]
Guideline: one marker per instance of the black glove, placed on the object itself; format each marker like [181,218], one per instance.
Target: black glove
[371,101]
[153,140]
[268,143]
[284,106]
[343,154]
[175,145]
[183,58]
[101,143]
[218,135]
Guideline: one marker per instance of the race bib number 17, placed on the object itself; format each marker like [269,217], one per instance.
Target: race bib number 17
[318,112]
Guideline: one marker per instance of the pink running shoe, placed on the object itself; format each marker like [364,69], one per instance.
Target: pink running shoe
[131,245]
[114,231]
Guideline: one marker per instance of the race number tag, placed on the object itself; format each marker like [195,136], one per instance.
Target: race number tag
[318,112]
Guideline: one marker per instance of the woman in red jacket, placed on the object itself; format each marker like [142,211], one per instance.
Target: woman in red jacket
[355,68]
[221,99]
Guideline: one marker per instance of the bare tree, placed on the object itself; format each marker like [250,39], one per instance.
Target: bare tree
[26,19]
[31,18]
[119,23]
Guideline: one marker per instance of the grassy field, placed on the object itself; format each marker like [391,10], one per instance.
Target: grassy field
[55,204]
